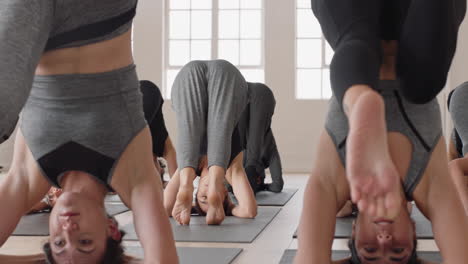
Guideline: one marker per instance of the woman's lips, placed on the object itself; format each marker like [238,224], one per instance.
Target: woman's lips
[69,214]
[383,221]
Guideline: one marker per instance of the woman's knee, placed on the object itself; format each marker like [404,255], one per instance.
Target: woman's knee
[421,89]
[355,62]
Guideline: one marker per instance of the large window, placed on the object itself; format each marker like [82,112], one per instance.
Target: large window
[313,55]
[214,29]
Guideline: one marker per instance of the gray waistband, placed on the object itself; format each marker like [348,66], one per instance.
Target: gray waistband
[80,86]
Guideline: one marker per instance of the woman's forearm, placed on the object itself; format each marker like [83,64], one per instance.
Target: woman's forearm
[170,193]
[317,223]
[247,207]
[460,180]
[152,223]
[27,259]
[170,156]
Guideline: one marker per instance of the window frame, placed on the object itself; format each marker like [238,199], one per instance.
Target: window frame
[324,66]
[214,39]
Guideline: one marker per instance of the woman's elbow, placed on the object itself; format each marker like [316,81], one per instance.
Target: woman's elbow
[251,212]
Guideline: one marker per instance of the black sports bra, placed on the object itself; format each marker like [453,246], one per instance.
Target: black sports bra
[94,32]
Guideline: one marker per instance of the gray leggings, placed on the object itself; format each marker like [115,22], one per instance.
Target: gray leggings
[457,107]
[208,98]
[24,30]
[256,122]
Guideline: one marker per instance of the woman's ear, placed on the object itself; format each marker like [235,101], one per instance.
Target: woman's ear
[353,230]
[113,230]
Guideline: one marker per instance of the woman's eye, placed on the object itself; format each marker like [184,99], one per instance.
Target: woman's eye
[398,250]
[86,242]
[370,250]
[59,243]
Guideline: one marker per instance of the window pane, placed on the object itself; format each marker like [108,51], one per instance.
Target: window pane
[307,24]
[308,84]
[251,22]
[303,4]
[201,24]
[253,75]
[179,4]
[328,54]
[251,4]
[228,24]
[229,50]
[201,4]
[200,50]
[309,53]
[179,25]
[170,77]
[228,4]
[326,86]
[250,52]
[179,52]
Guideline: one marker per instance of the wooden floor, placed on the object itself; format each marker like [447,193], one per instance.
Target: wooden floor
[267,248]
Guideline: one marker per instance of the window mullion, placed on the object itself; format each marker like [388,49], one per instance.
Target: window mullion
[166,47]
[215,29]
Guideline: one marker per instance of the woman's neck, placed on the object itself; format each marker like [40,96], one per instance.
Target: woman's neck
[80,182]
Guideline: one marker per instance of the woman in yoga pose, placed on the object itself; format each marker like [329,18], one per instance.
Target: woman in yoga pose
[427,35]
[162,144]
[411,141]
[458,147]
[209,98]
[417,147]
[68,66]
[260,149]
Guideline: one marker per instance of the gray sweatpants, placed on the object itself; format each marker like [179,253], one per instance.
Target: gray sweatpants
[458,112]
[24,30]
[208,98]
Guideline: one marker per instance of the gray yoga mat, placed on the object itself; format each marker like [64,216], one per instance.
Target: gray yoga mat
[194,255]
[265,198]
[232,230]
[289,254]
[33,225]
[38,224]
[116,208]
[423,226]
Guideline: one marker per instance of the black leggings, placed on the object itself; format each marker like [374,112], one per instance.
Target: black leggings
[152,106]
[426,43]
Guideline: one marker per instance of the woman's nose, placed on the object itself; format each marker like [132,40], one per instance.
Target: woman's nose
[384,237]
[68,225]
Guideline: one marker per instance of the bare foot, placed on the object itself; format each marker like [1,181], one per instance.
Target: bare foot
[215,214]
[373,178]
[183,205]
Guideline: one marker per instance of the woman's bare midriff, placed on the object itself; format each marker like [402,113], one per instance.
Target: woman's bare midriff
[94,58]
